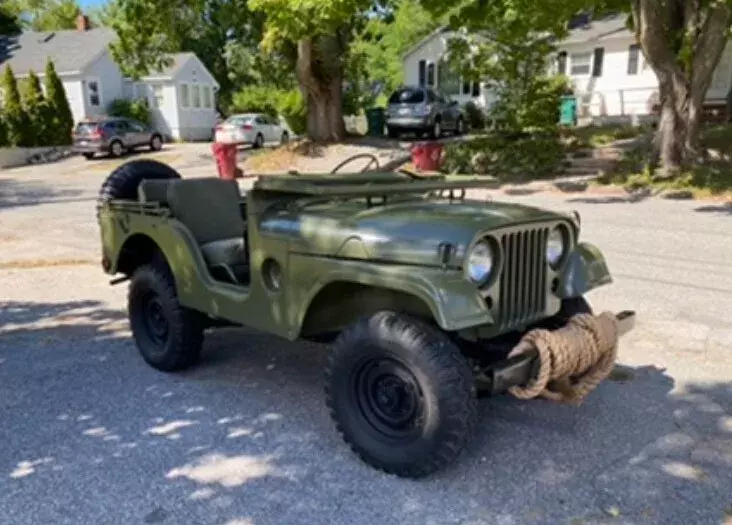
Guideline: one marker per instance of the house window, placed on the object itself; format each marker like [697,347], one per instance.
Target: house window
[431,74]
[580,63]
[206,95]
[633,57]
[94,97]
[448,79]
[158,96]
[195,96]
[184,96]
[422,75]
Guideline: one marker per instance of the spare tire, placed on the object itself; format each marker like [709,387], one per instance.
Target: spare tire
[124,180]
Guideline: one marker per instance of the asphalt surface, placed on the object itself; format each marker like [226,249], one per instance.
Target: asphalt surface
[91,435]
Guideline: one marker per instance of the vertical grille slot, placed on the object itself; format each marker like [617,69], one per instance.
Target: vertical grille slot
[523,280]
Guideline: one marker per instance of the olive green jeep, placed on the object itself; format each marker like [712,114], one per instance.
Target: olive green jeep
[418,291]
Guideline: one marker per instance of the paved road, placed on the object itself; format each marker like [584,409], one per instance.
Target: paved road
[90,435]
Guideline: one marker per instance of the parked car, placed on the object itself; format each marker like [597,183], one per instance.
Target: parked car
[423,110]
[251,128]
[114,135]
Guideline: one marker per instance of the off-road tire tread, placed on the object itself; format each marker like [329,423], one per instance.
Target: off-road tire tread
[451,373]
[186,325]
[124,180]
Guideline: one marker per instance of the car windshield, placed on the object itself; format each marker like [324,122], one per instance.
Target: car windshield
[86,128]
[407,96]
[239,120]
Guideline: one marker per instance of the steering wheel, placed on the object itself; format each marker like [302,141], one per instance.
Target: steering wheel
[374,160]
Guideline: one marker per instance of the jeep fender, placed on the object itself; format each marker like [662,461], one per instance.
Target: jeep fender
[453,301]
[585,270]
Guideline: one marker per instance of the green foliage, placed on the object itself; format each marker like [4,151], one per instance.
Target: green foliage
[9,23]
[35,105]
[476,116]
[45,15]
[19,132]
[61,122]
[133,109]
[293,109]
[256,99]
[4,143]
[515,159]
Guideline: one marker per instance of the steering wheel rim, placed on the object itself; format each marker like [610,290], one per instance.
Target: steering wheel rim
[374,160]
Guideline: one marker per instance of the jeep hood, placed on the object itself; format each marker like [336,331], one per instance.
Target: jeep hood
[405,232]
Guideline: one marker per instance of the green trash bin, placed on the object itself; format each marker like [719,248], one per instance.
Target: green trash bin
[375,119]
[568,111]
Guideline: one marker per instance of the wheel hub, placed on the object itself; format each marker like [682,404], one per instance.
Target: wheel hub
[155,320]
[389,398]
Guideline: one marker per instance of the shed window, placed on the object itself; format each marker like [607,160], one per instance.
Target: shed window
[206,96]
[422,74]
[184,96]
[431,74]
[195,96]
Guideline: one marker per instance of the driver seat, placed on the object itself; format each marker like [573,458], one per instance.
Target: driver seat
[209,207]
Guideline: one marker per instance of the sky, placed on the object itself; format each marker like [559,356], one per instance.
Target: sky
[90,3]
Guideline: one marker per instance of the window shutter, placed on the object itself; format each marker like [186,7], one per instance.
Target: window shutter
[633,59]
[476,89]
[422,75]
[597,62]
[562,63]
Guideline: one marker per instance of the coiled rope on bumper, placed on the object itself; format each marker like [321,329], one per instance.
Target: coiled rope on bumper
[573,360]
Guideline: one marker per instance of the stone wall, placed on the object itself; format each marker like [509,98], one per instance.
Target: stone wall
[14,157]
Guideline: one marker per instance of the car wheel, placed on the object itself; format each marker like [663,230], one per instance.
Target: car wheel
[168,335]
[88,156]
[436,130]
[400,394]
[116,148]
[258,141]
[459,126]
[392,132]
[285,137]
[156,143]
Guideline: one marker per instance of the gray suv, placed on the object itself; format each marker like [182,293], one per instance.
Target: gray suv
[423,110]
[114,135]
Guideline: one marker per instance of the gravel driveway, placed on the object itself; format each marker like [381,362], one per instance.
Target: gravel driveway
[91,435]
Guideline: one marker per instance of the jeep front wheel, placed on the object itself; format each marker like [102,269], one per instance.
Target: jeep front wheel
[168,335]
[400,394]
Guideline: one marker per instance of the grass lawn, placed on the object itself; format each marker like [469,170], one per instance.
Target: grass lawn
[598,136]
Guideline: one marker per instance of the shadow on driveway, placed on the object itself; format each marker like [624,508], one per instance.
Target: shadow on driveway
[244,438]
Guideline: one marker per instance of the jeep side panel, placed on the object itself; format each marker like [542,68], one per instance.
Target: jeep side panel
[252,306]
[357,286]
[586,270]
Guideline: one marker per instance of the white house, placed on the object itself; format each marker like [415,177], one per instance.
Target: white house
[423,66]
[611,78]
[181,98]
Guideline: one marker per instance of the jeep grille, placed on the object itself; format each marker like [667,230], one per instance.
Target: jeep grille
[523,281]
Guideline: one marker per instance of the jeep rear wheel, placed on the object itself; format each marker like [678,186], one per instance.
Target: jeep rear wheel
[168,335]
[400,394]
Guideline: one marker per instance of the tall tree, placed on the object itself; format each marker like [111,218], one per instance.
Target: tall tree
[16,119]
[9,23]
[45,15]
[683,41]
[62,122]
[35,106]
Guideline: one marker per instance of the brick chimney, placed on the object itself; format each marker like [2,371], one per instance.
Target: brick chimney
[82,22]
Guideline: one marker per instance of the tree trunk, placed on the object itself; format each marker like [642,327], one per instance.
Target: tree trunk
[683,44]
[320,75]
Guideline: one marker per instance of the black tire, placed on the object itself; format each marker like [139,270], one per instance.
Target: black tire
[122,183]
[285,137]
[436,130]
[153,305]
[393,133]
[88,156]
[258,141]
[425,359]
[116,148]
[156,143]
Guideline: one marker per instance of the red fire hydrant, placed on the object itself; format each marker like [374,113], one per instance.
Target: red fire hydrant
[427,156]
[225,156]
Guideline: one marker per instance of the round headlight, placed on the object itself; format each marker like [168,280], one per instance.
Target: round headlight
[555,246]
[480,262]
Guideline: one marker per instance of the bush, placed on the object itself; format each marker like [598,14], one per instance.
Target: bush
[256,99]
[475,115]
[61,120]
[507,158]
[132,109]
[3,133]
[37,109]
[19,131]
[293,109]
